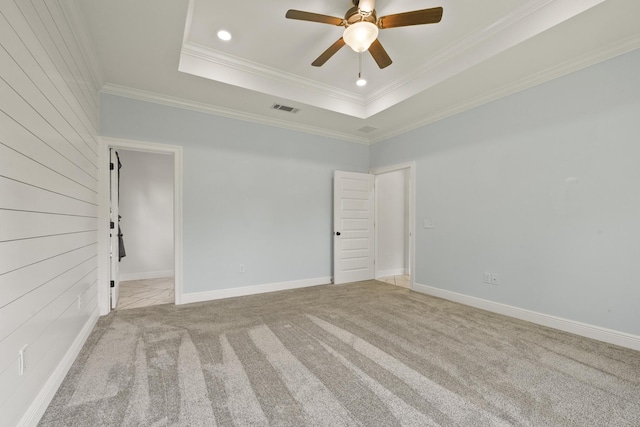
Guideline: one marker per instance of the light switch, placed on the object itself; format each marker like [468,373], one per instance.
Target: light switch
[429,223]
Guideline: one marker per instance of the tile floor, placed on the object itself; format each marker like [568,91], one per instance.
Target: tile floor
[402,281]
[146,292]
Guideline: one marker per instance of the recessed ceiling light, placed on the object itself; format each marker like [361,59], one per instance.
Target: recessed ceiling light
[224,35]
[361,82]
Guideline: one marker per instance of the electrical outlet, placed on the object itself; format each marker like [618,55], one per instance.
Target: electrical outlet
[495,279]
[241,268]
[486,278]
[22,364]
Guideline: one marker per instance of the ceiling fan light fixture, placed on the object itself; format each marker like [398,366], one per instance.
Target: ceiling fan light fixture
[360,35]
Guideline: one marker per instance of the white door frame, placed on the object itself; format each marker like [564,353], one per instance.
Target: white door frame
[114,218]
[103,212]
[411,170]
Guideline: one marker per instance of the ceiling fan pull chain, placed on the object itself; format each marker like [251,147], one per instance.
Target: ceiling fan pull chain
[360,81]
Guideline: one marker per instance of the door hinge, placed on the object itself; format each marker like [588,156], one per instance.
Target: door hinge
[112,284]
[111,225]
[110,166]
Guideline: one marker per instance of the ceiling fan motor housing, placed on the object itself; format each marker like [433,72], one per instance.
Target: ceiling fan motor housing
[353,15]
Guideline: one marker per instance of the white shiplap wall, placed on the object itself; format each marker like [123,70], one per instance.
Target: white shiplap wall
[48,202]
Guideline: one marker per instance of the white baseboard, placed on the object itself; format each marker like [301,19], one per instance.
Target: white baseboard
[123,277]
[392,272]
[583,329]
[41,402]
[252,290]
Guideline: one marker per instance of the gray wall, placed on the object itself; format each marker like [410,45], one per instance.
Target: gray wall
[254,195]
[543,188]
[146,208]
[48,204]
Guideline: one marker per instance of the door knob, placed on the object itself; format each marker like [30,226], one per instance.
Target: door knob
[337,233]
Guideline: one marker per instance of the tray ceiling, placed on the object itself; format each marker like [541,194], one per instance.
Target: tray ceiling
[167,51]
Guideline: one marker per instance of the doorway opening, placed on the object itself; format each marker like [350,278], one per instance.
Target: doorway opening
[393,220]
[373,228]
[149,208]
[145,273]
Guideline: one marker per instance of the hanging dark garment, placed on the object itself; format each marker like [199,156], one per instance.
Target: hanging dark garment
[121,250]
[122,253]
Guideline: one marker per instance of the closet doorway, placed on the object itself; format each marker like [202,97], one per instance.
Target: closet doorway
[146,271]
[393,230]
[150,211]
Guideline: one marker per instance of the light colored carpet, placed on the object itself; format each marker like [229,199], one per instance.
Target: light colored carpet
[365,354]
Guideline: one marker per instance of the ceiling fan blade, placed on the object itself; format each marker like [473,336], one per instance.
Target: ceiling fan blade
[379,54]
[314,17]
[416,17]
[328,53]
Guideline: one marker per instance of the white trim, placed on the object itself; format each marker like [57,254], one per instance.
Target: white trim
[465,44]
[242,66]
[393,272]
[411,169]
[530,18]
[222,68]
[592,58]
[583,329]
[104,242]
[185,104]
[39,405]
[252,290]
[103,229]
[145,275]
[584,61]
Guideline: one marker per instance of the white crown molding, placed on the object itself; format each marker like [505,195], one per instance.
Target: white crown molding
[526,21]
[71,12]
[578,328]
[540,15]
[208,63]
[170,101]
[615,49]
[592,58]
[204,62]
[249,67]
[464,44]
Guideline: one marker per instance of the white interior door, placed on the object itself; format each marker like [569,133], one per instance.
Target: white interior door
[353,234]
[113,218]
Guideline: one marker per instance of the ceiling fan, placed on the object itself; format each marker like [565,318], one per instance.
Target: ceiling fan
[361,28]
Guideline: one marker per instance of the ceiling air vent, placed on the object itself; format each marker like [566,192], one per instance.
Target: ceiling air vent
[367,129]
[285,108]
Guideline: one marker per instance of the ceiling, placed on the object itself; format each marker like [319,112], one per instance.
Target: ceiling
[167,51]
